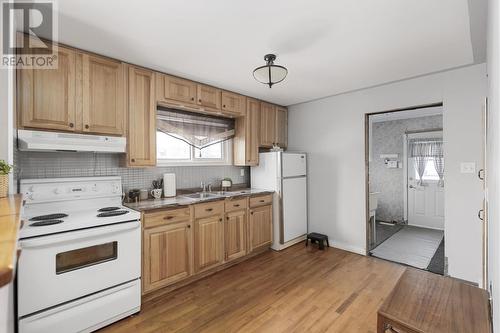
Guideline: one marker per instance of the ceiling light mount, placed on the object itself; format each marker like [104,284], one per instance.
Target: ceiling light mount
[270,73]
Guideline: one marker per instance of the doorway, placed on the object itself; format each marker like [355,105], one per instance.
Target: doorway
[405,186]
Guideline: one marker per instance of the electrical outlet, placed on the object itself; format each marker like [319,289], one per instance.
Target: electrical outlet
[242,172]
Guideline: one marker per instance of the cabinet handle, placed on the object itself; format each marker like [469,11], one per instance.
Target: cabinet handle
[251,213]
[262,200]
[209,209]
[189,225]
[71,125]
[237,205]
[192,98]
[389,328]
[168,217]
[132,160]
[199,100]
[87,126]
[227,218]
[224,105]
[220,220]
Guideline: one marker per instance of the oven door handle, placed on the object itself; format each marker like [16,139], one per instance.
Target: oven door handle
[78,235]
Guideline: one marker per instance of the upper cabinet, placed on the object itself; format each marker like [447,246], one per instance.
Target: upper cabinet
[171,88]
[209,97]
[47,98]
[103,95]
[85,94]
[267,125]
[141,138]
[281,127]
[246,140]
[233,104]
[273,126]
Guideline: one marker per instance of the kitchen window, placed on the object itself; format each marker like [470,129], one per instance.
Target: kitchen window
[184,138]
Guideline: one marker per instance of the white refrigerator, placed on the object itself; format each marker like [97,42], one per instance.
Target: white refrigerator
[285,173]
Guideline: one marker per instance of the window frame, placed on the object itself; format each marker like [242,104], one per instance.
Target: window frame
[227,158]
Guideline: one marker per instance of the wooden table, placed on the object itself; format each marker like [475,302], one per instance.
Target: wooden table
[425,302]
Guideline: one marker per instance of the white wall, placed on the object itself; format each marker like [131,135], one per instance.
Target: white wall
[493,161]
[332,129]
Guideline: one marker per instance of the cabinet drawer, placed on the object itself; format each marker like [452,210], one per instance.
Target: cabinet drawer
[166,217]
[209,209]
[237,204]
[261,200]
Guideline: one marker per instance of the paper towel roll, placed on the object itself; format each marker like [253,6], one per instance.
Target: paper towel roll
[169,185]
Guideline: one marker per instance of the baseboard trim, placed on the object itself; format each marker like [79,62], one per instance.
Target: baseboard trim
[347,247]
[424,226]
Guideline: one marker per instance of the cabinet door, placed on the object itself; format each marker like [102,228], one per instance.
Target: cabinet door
[47,98]
[260,227]
[267,124]
[233,104]
[141,134]
[208,242]
[253,131]
[234,235]
[209,96]
[174,88]
[167,254]
[281,127]
[103,95]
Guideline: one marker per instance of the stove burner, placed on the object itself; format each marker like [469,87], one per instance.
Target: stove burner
[112,213]
[108,209]
[48,217]
[45,222]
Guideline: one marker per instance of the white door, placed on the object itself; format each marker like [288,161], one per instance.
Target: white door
[294,208]
[425,203]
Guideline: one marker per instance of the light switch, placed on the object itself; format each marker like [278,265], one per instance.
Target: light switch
[468,167]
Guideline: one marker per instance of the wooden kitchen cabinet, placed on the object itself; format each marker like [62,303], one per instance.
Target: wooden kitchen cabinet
[167,255]
[209,97]
[233,104]
[208,242]
[171,88]
[47,98]
[246,140]
[267,125]
[141,134]
[103,95]
[260,227]
[281,127]
[235,234]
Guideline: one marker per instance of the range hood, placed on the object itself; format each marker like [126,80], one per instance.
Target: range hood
[54,141]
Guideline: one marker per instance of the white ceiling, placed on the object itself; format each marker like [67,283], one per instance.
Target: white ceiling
[329,47]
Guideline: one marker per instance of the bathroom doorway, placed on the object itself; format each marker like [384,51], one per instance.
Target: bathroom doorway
[405,187]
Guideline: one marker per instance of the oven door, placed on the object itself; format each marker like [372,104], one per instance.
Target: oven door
[59,268]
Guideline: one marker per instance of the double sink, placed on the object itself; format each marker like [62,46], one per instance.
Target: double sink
[214,195]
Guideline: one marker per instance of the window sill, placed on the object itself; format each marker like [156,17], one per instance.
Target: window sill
[161,163]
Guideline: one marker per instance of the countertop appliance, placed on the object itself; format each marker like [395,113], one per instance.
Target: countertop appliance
[286,174]
[80,266]
[53,141]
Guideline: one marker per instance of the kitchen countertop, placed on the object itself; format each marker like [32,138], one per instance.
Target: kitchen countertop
[182,200]
[10,212]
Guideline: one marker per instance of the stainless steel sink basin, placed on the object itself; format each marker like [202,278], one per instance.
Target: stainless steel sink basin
[202,195]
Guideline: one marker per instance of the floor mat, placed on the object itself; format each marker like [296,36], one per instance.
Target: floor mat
[412,246]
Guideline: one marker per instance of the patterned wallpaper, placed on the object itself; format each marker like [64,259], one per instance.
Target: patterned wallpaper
[387,138]
[82,164]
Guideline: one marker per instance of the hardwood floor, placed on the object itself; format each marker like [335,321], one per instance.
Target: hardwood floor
[296,290]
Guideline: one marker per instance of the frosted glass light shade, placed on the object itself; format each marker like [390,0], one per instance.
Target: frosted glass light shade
[270,74]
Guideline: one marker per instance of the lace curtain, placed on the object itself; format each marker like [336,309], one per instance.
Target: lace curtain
[423,150]
[200,131]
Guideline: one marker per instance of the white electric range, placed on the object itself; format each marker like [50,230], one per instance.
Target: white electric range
[80,265]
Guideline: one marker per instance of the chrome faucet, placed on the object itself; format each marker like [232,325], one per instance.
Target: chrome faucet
[203,187]
[210,187]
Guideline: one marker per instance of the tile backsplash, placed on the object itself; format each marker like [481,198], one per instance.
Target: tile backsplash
[69,164]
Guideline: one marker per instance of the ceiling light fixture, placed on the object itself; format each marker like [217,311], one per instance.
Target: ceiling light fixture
[270,73]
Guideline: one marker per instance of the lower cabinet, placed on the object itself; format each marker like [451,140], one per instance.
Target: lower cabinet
[260,227]
[235,235]
[208,242]
[182,242]
[167,255]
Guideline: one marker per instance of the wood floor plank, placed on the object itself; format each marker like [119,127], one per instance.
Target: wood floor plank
[296,290]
